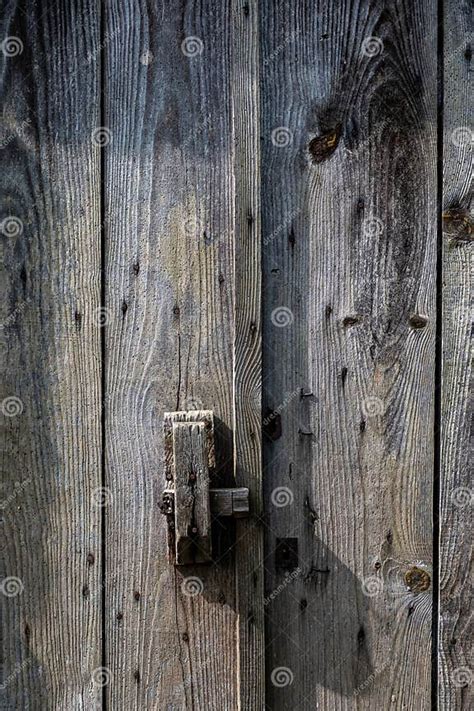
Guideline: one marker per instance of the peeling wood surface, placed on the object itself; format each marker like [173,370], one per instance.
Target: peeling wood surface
[349,231]
[456,631]
[50,398]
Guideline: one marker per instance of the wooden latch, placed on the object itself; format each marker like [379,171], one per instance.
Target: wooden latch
[188,501]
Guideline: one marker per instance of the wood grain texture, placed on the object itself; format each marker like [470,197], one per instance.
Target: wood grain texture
[248,350]
[50,349]
[456,633]
[174,341]
[230,502]
[349,255]
[191,499]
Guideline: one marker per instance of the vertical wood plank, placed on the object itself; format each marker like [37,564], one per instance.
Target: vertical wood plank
[248,350]
[349,254]
[50,349]
[191,501]
[456,634]
[176,229]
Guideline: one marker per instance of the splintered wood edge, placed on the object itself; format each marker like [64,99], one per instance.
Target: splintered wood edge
[204,416]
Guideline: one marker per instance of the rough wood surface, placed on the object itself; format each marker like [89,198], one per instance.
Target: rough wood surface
[50,351]
[191,499]
[456,632]
[175,76]
[230,502]
[349,233]
[347,94]
[247,403]
[169,418]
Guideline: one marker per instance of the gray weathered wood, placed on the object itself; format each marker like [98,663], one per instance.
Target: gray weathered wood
[191,498]
[348,99]
[230,502]
[169,418]
[349,235]
[456,633]
[224,502]
[168,499]
[50,401]
[247,392]
[181,251]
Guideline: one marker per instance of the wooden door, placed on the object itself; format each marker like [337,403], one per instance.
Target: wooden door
[262,210]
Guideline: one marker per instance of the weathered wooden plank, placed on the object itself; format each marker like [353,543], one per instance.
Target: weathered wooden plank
[223,502]
[349,240]
[230,502]
[50,351]
[204,416]
[456,661]
[191,497]
[176,221]
[248,349]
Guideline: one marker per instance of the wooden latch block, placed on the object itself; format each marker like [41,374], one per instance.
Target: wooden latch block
[188,501]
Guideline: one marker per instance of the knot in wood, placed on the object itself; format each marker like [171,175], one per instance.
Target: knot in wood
[417,579]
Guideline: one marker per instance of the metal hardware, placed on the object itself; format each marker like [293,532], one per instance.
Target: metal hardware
[286,553]
[188,501]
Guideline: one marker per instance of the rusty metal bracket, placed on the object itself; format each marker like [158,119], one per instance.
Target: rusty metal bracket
[188,501]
